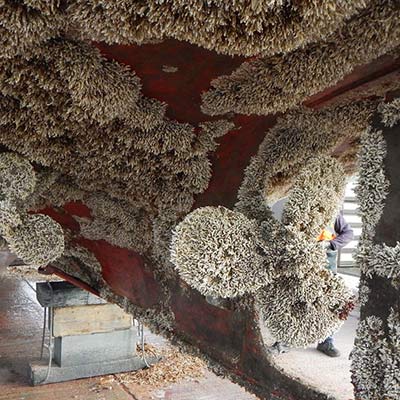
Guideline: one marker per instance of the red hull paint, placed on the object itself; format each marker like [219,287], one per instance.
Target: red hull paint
[126,271]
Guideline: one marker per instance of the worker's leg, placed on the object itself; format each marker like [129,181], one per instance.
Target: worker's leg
[331,256]
[327,347]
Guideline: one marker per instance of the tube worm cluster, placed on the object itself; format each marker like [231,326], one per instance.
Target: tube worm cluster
[363,293]
[218,252]
[375,359]
[241,27]
[37,239]
[272,84]
[223,253]
[313,203]
[371,202]
[299,315]
[378,259]
[288,146]
[79,262]
[271,173]
[85,120]
[376,355]
[117,223]
[28,23]
[381,260]
[390,112]
[18,178]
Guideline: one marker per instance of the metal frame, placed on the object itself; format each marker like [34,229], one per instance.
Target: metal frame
[48,317]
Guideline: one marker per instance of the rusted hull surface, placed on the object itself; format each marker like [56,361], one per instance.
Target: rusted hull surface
[230,338]
[231,158]
[181,90]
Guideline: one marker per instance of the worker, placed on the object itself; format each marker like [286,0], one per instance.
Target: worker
[332,240]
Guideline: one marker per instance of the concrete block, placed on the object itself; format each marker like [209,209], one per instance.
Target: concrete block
[80,320]
[95,348]
[64,294]
[37,370]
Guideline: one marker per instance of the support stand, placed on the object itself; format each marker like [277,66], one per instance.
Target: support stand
[86,336]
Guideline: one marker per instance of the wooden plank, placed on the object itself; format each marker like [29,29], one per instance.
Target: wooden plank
[64,294]
[80,320]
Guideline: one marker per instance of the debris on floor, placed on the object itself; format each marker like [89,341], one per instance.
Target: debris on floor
[105,383]
[174,366]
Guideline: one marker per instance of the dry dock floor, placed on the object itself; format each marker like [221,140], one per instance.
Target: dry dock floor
[21,319]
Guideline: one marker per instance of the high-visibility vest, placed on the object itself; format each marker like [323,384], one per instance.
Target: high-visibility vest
[326,234]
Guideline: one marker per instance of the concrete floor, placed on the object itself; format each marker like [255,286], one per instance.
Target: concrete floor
[21,320]
[330,375]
